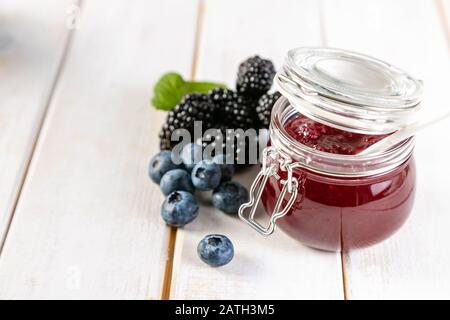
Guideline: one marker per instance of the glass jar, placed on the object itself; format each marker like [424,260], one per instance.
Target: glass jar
[334,201]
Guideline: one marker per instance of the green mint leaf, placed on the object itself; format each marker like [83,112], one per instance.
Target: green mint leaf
[168,91]
[171,87]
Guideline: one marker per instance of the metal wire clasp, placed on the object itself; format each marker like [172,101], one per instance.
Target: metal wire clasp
[290,185]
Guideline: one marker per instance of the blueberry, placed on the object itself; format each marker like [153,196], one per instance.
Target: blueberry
[206,175]
[229,196]
[227,169]
[215,250]
[160,164]
[191,154]
[177,179]
[179,208]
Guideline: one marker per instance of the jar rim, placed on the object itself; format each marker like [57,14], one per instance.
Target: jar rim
[329,163]
[349,90]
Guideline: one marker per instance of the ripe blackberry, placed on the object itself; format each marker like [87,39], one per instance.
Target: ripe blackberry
[264,108]
[193,107]
[240,148]
[255,77]
[233,110]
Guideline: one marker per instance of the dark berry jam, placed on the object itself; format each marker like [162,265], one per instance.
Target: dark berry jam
[328,139]
[338,213]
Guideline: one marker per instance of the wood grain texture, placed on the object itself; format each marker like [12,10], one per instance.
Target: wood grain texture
[275,267]
[414,263]
[87,224]
[32,42]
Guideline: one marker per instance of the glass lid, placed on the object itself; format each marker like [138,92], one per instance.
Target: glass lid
[349,90]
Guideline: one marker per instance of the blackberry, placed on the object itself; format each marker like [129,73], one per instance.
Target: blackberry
[240,148]
[233,110]
[264,108]
[193,107]
[255,77]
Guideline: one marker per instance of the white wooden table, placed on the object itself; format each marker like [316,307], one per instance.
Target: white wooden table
[79,217]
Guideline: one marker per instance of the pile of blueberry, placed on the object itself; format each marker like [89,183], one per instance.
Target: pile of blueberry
[178,182]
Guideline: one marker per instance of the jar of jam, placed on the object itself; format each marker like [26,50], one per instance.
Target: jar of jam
[313,183]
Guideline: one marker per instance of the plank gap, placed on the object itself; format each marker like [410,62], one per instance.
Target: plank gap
[444,17]
[324,42]
[168,270]
[36,135]
[344,275]
[323,34]
[198,31]
[167,282]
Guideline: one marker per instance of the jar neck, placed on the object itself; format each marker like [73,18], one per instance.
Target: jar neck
[327,163]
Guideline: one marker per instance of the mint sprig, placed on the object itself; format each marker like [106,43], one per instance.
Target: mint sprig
[171,87]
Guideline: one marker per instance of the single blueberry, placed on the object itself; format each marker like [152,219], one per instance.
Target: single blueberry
[229,196]
[206,175]
[177,179]
[179,208]
[215,250]
[191,154]
[226,167]
[160,164]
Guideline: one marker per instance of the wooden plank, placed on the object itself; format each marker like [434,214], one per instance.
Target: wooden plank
[275,267]
[414,263]
[87,224]
[32,42]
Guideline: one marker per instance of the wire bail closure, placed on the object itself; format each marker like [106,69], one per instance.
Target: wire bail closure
[290,185]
